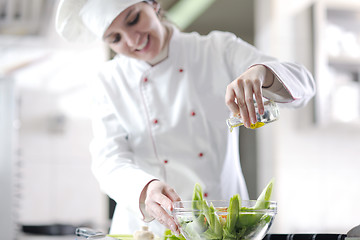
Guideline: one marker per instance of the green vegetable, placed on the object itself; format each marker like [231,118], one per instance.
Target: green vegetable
[168,235]
[239,223]
[197,197]
[263,200]
[251,217]
[232,217]
[215,228]
[198,204]
[122,236]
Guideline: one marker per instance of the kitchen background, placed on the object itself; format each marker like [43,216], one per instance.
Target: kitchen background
[313,152]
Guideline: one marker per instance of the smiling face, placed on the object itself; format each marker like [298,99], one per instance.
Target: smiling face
[137,32]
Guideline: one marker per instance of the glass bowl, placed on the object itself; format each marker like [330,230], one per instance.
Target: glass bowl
[213,221]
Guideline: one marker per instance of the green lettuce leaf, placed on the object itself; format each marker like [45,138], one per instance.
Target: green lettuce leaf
[263,200]
[232,218]
[215,229]
[251,217]
[168,235]
[241,222]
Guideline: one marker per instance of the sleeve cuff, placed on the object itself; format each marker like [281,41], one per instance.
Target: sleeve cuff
[276,86]
[146,217]
[277,92]
[145,214]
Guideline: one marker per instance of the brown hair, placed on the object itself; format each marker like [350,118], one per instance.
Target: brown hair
[160,12]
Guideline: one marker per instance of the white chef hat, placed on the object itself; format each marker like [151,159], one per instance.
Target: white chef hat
[87,20]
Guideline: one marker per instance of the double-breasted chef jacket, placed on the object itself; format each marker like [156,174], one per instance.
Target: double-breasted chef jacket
[167,121]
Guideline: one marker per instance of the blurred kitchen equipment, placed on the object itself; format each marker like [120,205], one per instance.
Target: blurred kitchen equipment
[89,233]
[24,17]
[305,236]
[50,229]
[10,174]
[354,233]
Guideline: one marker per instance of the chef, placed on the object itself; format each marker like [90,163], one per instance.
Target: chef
[159,115]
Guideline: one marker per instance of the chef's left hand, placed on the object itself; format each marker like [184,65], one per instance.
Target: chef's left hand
[240,93]
[159,198]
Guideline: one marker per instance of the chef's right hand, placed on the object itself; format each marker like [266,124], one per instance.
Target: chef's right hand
[160,196]
[240,93]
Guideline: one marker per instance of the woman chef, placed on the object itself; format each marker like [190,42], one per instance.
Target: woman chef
[159,120]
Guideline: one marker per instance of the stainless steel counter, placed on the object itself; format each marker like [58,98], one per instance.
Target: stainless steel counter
[42,237]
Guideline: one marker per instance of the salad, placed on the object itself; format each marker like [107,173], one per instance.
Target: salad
[238,220]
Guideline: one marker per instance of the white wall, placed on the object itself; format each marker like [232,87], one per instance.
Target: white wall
[316,167]
[317,172]
[8,193]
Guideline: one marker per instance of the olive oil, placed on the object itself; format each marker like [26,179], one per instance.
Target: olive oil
[271,113]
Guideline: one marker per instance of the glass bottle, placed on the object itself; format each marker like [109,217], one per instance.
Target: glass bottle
[271,113]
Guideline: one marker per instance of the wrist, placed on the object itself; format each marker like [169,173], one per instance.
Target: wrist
[143,192]
[269,78]
[146,216]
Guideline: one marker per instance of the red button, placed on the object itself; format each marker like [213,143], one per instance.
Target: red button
[193,113]
[181,70]
[165,161]
[201,154]
[156,121]
[145,79]
[205,194]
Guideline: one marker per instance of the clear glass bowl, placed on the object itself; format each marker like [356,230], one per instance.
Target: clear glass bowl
[251,224]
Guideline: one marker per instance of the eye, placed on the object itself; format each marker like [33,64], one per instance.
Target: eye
[135,20]
[117,38]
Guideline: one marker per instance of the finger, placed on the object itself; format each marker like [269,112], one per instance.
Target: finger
[245,116]
[230,100]
[163,201]
[240,98]
[250,101]
[162,216]
[172,195]
[258,96]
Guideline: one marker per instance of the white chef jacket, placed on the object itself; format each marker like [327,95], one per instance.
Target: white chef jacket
[167,121]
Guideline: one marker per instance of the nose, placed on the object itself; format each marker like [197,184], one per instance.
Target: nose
[132,38]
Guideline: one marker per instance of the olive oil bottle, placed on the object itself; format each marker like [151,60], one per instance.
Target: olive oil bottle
[271,113]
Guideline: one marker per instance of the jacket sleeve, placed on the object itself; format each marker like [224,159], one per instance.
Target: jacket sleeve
[293,86]
[112,160]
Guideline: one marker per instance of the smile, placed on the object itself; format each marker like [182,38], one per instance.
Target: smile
[143,45]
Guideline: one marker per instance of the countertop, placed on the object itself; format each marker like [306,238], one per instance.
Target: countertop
[44,237]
